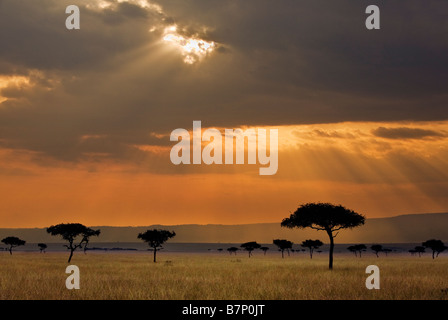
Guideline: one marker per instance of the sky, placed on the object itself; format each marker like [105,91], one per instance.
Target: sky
[86,115]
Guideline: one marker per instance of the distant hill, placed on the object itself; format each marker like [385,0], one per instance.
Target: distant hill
[413,228]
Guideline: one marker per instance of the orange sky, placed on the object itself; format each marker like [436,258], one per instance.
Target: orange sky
[347,163]
[86,115]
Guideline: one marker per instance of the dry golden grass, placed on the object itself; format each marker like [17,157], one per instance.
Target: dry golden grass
[219,276]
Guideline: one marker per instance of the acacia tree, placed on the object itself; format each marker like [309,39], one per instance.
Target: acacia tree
[13,242]
[155,238]
[353,249]
[377,248]
[264,249]
[250,246]
[360,248]
[70,232]
[232,250]
[312,245]
[283,245]
[326,217]
[436,246]
[419,250]
[42,247]
[86,236]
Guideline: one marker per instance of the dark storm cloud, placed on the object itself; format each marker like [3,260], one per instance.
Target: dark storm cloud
[406,133]
[283,62]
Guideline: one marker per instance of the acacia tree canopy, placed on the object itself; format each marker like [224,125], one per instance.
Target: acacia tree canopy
[250,246]
[326,217]
[156,238]
[13,242]
[70,232]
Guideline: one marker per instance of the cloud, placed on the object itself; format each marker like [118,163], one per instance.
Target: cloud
[406,133]
[118,79]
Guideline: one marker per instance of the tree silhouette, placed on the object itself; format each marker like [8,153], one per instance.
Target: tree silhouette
[436,246]
[420,250]
[86,236]
[283,245]
[13,242]
[387,250]
[353,249]
[232,250]
[413,252]
[220,249]
[42,247]
[264,249]
[312,245]
[250,246]
[440,249]
[155,238]
[326,217]
[70,232]
[377,248]
[360,248]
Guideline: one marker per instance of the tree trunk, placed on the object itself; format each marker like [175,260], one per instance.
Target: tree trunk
[155,250]
[311,253]
[433,254]
[330,263]
[282,254]
[10,250]
[71,255]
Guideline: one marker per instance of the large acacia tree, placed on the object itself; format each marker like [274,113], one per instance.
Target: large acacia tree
[72,232]
[326,217]
[156,238]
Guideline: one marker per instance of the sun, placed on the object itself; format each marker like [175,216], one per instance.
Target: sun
[193,48]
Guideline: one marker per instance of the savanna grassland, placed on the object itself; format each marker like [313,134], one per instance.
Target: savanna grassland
[27,275]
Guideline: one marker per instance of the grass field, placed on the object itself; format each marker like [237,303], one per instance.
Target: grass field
[219,276]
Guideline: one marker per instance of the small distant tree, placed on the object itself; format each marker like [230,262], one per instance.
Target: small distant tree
[86,236]
[155,238]
[312,245]
[283,245]
[42,247]
[420,250]
[220,249]
[264,249]
[387,250]
[326,217]
[436,246]
[357,248]
[13,242]
[377,248]
[250,246]
[232,250]
[360,248]
[353,249]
